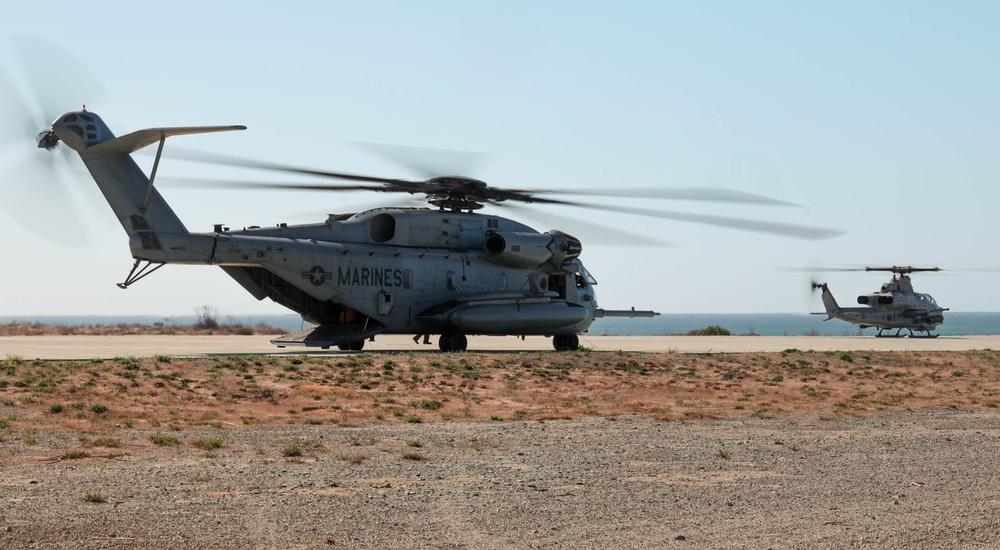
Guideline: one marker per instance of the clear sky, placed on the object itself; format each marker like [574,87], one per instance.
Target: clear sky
[878,118]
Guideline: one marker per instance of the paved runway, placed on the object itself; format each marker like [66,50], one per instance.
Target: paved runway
[89,347]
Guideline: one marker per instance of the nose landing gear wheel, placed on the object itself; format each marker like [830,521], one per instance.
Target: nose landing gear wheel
[453,341]
[565,342]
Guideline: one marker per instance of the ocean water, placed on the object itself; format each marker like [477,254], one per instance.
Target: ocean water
[764,324]
[781,324]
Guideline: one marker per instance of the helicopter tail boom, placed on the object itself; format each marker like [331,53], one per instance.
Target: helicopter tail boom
[829,302]
[140,209]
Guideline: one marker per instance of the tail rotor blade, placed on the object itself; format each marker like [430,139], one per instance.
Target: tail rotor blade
[52,80]
[39,189]
[33,193]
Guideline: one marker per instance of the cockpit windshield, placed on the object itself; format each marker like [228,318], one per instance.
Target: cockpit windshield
[927,299]
[584,273]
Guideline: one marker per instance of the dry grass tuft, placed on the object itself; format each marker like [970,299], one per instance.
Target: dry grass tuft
[173,394]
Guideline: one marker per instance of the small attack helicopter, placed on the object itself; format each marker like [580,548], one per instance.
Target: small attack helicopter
[894,306]
[447,270]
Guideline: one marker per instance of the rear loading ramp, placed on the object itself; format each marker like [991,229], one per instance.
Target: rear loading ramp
[325,336]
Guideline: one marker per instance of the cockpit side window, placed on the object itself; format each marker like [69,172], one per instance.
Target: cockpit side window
[584,275]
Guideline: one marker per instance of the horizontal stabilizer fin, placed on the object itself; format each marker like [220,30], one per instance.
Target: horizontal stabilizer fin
[141,138]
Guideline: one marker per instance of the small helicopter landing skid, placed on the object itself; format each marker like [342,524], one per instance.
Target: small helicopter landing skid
[881,334]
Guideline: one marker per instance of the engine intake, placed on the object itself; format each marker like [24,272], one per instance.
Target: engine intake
[875,299]
[527,250]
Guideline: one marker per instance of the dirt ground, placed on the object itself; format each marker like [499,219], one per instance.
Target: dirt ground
[391,387]
[448,443]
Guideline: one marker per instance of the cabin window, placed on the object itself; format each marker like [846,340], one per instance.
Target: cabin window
[407,278]
[503,281]
[450,281]
[382,228]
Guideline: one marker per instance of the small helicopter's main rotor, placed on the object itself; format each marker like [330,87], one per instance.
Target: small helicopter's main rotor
[902,270]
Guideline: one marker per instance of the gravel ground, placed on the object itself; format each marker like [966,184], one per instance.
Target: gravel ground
[922,479]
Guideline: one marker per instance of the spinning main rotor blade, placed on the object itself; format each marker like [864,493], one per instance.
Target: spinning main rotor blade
[591,232]
[201,183]
[788,230]
[429,162]
[708,194]
[432,162]
[412,188]
[705,194]
[474,190]
[226,160]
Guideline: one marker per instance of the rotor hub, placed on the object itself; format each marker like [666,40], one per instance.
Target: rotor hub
[455,204]
[47,139]
[459,183]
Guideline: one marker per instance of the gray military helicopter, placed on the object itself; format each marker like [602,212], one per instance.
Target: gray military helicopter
[447,269]
[894,306]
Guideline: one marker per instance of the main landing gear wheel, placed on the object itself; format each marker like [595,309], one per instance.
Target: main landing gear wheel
[352,346]
[565,342]
[453,341]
